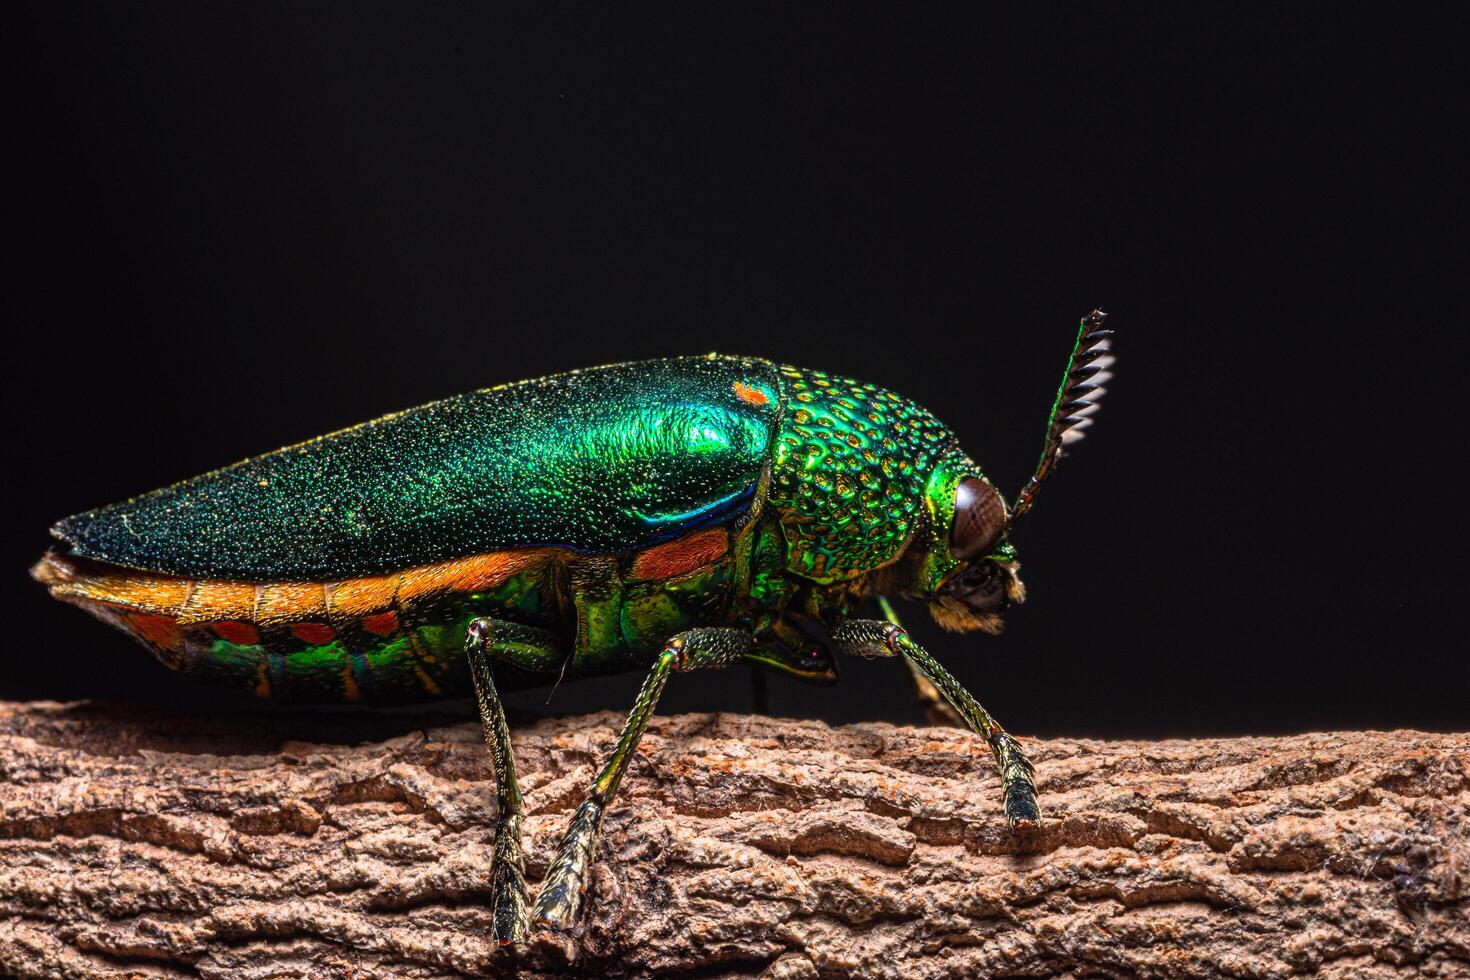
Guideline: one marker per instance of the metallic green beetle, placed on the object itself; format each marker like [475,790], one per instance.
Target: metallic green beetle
[662,515]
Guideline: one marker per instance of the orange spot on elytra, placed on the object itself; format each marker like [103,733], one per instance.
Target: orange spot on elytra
[381,624]
[752,395]
[313,633]
[242,634]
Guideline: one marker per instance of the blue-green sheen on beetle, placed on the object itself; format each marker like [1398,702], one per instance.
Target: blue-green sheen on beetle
[661,516]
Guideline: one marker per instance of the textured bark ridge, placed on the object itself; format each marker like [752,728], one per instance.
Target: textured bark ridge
[288,845]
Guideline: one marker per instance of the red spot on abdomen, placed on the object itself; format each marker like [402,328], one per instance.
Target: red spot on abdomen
[681,555]
[381,624]
[314,633]
[242,634]
[161,631]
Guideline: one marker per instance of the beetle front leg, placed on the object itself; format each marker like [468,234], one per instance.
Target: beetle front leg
[936,709]
[566,881]
[529,649]
[870,638]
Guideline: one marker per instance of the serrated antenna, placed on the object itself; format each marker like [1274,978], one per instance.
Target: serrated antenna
[1077,400]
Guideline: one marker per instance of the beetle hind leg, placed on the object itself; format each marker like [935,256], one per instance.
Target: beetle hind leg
[531,649]
[565,886]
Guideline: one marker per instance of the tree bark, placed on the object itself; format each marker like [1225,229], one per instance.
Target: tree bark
[358,845]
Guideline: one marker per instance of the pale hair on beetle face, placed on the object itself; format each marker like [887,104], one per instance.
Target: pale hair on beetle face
[954,614]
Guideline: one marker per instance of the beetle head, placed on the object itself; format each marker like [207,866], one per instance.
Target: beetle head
[969,573]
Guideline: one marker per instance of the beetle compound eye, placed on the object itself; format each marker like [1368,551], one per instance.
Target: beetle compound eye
[979,518]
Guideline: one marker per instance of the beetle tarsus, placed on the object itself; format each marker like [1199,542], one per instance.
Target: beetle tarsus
[508,889]
[560,900]
[1017,776]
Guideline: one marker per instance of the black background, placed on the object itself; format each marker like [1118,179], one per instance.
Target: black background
[244,225]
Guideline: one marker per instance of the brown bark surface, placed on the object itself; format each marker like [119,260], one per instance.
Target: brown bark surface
[334,845]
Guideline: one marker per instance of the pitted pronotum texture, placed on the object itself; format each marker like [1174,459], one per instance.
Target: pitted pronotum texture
[136,844]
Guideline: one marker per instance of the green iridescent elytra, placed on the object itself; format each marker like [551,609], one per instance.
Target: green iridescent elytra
[663,516]
[599,461]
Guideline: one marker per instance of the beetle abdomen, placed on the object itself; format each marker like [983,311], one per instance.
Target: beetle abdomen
[377,639]
[399,637]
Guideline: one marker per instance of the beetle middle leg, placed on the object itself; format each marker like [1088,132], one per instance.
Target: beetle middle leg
[530,649]
[871,638]
[566,881]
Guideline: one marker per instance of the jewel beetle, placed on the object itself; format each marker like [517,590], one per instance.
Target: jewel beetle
[659,516]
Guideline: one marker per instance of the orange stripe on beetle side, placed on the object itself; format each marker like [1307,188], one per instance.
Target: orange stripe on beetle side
[163,595]
[287,602]
[214,599]
[354,598]
[674,558]
[477,573]
[237,610]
